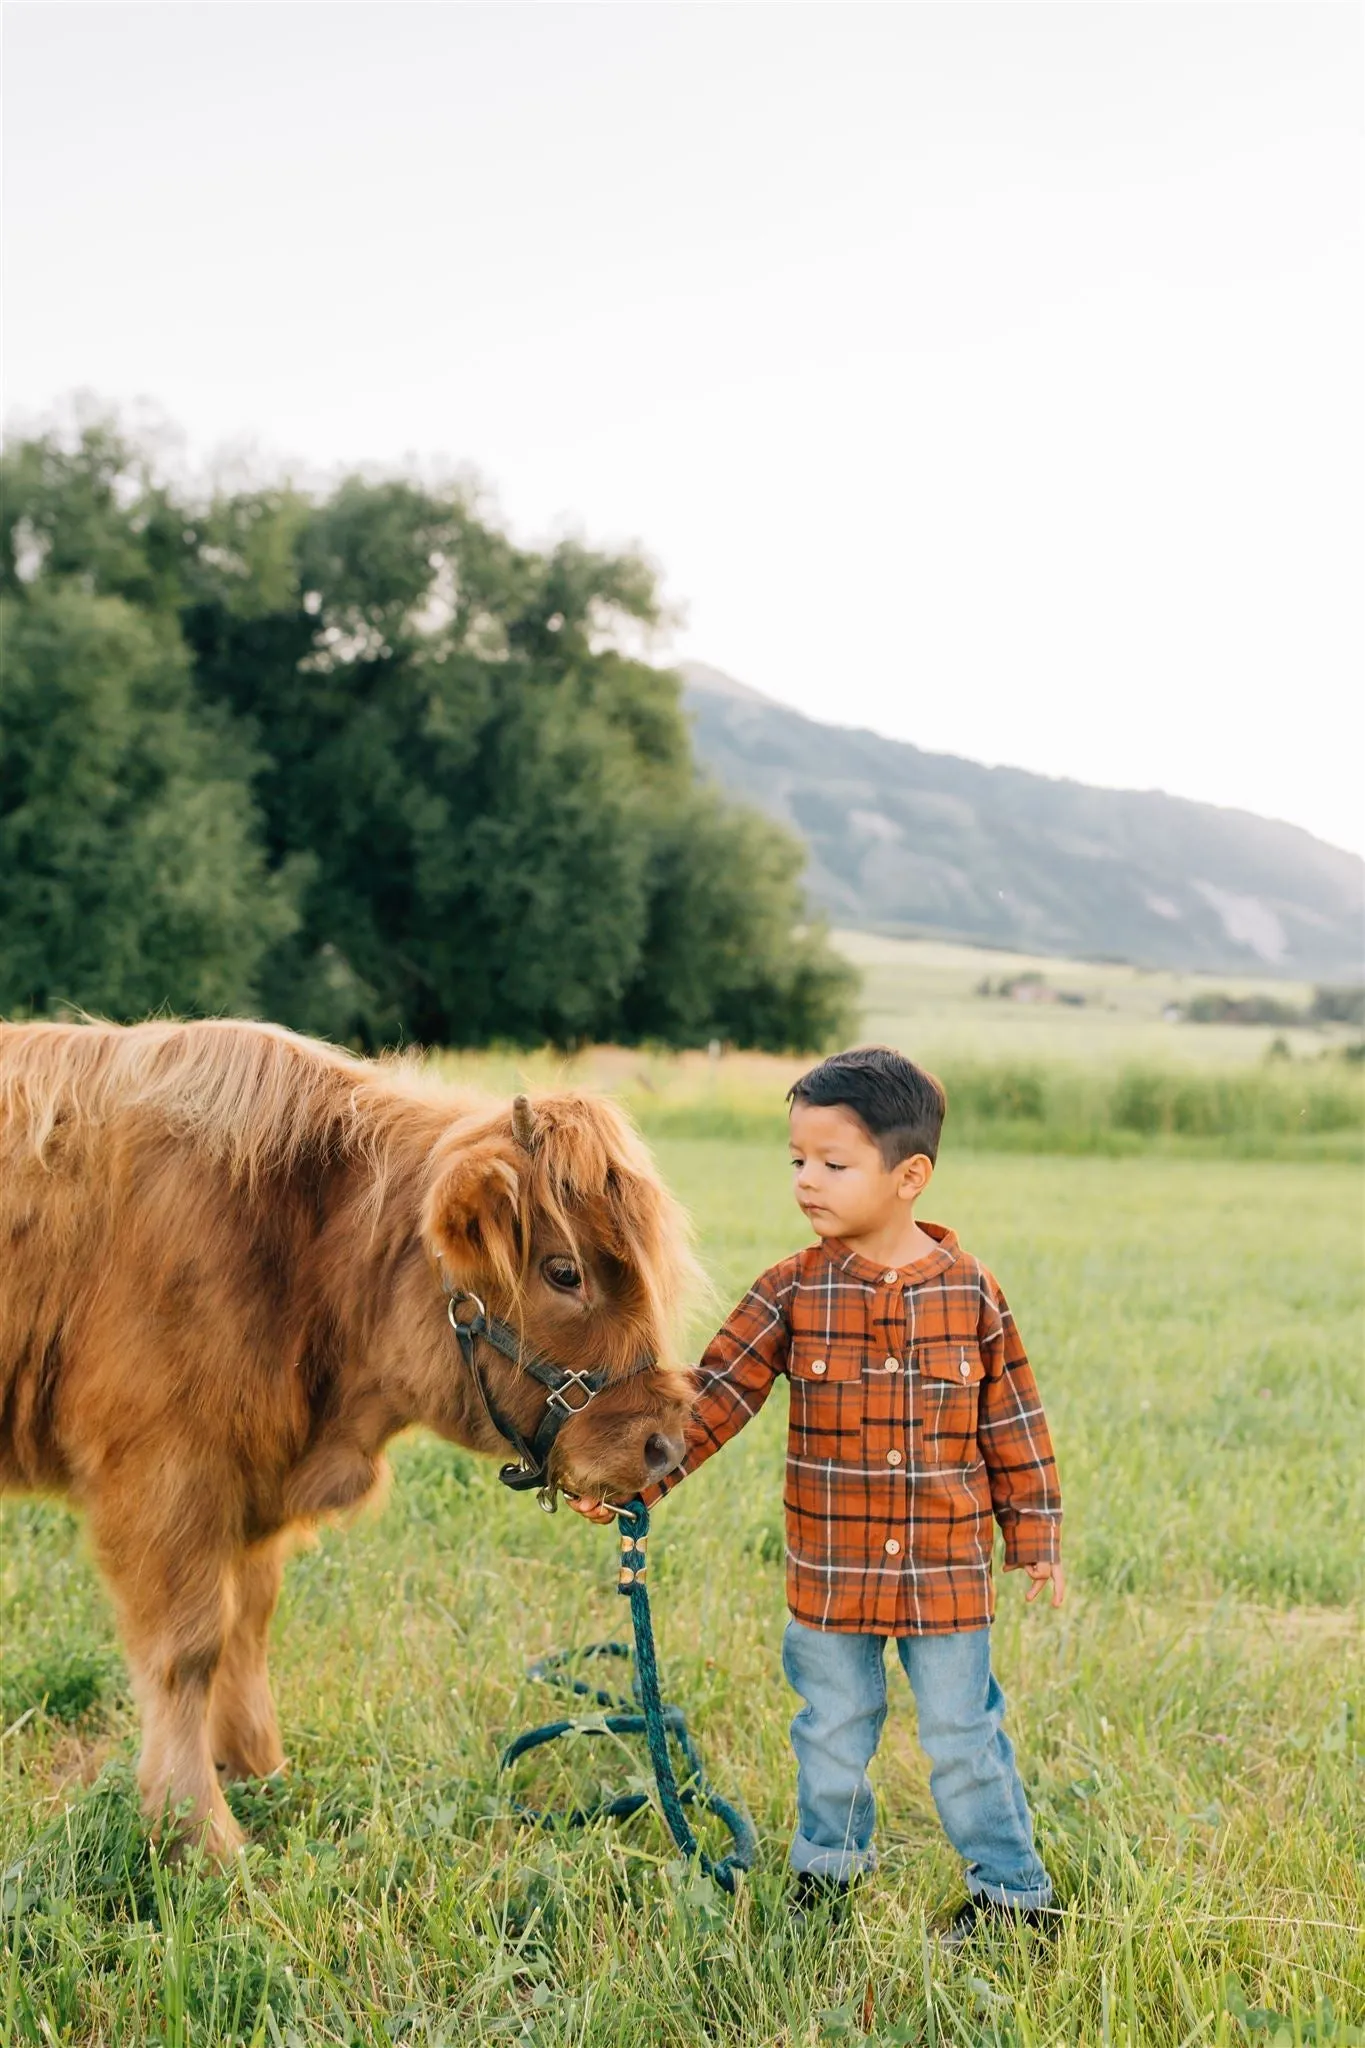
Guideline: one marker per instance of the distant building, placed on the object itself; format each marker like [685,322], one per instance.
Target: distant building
[1032,988]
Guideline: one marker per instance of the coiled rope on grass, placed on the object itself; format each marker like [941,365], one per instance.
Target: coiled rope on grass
[646,1714]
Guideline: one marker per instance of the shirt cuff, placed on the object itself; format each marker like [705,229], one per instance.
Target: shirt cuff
[1032,1539]
[653,1494]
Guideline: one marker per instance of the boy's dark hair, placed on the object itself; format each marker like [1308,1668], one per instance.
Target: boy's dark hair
[899,1105]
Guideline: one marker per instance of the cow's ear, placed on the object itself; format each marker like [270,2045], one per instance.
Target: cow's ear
[473,1217]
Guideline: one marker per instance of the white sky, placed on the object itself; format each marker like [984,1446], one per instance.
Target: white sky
[988,375]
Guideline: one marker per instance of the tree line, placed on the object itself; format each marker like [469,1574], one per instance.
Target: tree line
[357,762]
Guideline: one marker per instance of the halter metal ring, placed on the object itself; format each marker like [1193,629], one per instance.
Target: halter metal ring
[612,1507]
[453,1300]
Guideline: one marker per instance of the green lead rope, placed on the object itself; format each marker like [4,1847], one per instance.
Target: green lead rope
[648,1716]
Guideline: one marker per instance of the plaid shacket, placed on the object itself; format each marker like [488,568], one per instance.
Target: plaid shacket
[914,1419]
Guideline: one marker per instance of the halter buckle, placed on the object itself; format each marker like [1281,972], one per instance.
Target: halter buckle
[579,1380]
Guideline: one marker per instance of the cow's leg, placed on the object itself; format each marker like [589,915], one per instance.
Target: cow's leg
[173,1591]
[244,1735]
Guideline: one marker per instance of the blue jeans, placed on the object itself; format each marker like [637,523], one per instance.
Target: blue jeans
[976,1788]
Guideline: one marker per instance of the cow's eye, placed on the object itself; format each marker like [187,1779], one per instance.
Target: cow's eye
[564,1274]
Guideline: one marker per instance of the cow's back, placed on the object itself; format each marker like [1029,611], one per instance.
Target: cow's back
[148,1278]
[54,1214]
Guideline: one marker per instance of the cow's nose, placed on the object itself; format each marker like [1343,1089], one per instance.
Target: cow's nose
[662,1454]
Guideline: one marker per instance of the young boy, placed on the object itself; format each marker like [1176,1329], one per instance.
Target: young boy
[914,1419]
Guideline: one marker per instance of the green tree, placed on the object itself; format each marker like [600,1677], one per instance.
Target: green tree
[131,875]
[88,512]
[484,810]
[1337,1005]
[728,953]
[468,772]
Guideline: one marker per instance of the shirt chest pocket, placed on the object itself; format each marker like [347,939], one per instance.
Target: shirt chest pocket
[826,1399]
[825,1361]
[950,1376]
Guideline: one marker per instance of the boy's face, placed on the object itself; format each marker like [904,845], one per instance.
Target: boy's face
[841,1182]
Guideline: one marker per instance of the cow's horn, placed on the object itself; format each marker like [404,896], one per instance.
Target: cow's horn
[524,1123]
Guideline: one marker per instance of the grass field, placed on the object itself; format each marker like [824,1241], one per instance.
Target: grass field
[925,990]
[1113,1076]
[1188,1727]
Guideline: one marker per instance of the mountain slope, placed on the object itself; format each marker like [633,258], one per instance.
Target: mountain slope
[901,840]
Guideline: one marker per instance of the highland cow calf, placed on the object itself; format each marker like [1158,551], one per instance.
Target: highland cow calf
[233,1263]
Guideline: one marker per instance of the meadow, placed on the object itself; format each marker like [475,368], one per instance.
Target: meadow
[1113,1075]
[1188,1726]
[928,990]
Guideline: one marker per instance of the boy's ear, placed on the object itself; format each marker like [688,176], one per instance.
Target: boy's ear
[916,1172]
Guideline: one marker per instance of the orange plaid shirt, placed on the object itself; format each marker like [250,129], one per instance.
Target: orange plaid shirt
[914,1419]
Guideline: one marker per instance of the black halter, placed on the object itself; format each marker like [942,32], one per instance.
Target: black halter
[569,1393]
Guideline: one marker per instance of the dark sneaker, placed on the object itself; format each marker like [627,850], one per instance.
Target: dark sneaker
[981,1915]
[815,1894]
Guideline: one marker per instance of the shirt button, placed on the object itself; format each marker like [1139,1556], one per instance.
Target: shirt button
[891,1365]
[965,1370]
[890,1276]
[817,1365]
[892,1547]
[893,1457]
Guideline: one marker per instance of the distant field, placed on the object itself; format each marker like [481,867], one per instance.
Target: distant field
[1189,1727]
[1110,1075]
[920,995]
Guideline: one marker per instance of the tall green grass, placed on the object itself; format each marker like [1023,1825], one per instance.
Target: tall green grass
[1290,1110]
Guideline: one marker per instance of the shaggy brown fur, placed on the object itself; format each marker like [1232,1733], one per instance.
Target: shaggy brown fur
[222,1293]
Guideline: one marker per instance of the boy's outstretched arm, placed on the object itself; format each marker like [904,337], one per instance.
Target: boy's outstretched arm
[1017,1447]
[736,1376]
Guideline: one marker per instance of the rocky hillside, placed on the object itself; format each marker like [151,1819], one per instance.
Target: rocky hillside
[908,842]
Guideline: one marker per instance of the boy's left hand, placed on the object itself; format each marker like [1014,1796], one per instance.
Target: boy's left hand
[591,1510]
[1040,1574]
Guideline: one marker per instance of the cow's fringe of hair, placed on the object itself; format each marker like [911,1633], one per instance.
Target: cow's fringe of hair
[259,1099]
[588,1160]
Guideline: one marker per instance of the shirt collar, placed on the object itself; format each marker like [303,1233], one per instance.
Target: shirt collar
[945,1253]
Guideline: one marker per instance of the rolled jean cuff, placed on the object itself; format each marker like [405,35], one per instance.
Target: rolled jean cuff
[839,1864]
[1018,1898]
